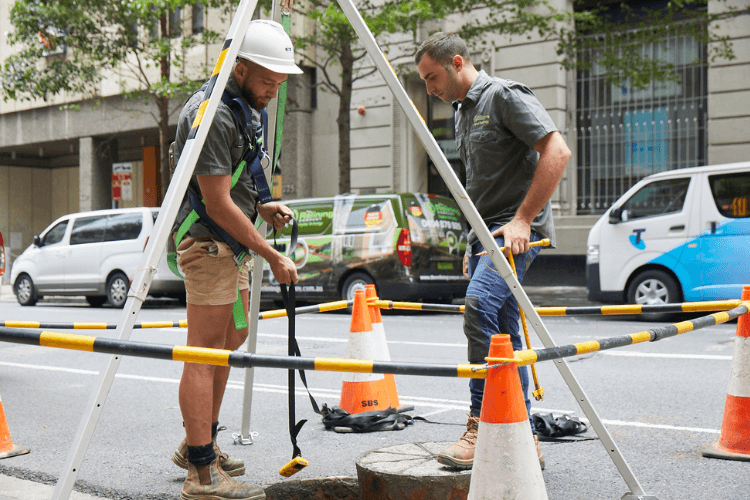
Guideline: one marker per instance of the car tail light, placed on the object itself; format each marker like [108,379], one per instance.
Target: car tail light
[403,247]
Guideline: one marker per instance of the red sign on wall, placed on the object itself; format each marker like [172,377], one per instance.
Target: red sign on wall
[122,181]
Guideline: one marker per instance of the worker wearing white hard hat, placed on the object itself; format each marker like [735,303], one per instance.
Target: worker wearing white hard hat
[234,196]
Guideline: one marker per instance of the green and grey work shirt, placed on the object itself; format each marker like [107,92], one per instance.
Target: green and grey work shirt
[221,153]
[497,125]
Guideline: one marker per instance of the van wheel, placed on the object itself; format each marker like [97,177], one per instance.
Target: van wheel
[654,287]
[117,290]
[26,291]
[96,300]
[353,282]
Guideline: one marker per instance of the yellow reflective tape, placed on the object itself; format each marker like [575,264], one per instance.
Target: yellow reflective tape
[640,337]
[684,326]
[157,324]
[201,355]
[713,305]
[277,313]
[527,357]
[552,311]
[471,371]
[406,305]
[183,323]
[627,309]
[67,341]
[333,306]
[589,346]
[89,326]
[23,324]
[219,62]
[343,365]
[199,116]
[721,317]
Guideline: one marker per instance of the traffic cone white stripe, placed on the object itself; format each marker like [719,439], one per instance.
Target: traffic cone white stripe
[739,375]
[516,459]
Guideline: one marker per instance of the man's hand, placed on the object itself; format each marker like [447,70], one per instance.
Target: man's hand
[517,234]
[284,270]
[466,265]
[275,214]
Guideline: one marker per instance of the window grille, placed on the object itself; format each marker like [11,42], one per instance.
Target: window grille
[625,133]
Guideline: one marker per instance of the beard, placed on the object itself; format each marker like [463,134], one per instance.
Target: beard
[252,99]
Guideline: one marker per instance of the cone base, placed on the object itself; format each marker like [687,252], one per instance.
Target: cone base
[715,452]
[14,452]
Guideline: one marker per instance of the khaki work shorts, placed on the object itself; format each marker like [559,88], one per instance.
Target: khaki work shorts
[211,275]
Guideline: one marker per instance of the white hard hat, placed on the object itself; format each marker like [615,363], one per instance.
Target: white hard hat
[267,44]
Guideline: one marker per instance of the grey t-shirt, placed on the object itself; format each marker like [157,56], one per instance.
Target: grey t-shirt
[221,152]
[497,125]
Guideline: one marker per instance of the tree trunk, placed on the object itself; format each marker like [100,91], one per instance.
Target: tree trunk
[346,59]
[162,103]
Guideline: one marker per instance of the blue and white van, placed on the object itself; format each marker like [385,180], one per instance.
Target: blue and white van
[677,236]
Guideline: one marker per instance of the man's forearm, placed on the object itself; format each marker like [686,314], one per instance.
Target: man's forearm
[553,158]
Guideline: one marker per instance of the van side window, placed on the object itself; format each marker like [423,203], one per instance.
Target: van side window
[123,227]
[88,230]
[55,235]
[657,198]
[367,217]
[731,194]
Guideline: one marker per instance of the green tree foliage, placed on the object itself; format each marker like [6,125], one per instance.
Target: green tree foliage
[67,46]
[614,37]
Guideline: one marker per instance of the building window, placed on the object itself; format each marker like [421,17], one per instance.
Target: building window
[625,134]
[175,20]
[199,18]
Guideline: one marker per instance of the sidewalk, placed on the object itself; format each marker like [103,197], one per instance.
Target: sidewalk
[12,488]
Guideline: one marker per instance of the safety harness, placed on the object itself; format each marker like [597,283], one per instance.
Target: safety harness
[256,159]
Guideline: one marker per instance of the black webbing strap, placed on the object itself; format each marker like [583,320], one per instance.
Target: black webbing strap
[293,348]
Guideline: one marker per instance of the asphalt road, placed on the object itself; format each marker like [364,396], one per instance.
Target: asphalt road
[662,402]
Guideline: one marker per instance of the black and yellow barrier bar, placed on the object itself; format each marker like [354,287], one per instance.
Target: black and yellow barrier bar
[685,307]
[276,313]
[325,307]
[239,359]
[529,356]
[92,326]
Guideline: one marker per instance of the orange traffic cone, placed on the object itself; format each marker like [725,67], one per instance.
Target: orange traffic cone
[362,392]
[505,461]
[383,354]
[734,442]
[7,448]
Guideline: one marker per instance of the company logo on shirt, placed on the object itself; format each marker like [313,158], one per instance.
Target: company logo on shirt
[480,120]
[635,239]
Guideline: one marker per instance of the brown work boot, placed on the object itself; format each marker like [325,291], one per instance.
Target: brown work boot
[232,466]
[221,487]
[539,451]
[460,455]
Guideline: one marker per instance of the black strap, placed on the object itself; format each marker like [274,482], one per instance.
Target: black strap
[238,249]
[390,419]
[551,428]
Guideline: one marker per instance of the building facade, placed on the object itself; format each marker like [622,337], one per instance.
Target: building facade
[55,161]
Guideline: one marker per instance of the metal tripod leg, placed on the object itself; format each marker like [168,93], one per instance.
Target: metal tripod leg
[489,243]
[157,242]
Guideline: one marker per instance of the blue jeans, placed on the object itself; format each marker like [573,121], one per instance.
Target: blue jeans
[491,309]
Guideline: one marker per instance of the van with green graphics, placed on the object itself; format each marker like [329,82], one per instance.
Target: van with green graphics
[410,245]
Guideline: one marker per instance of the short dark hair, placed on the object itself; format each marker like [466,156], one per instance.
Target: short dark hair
[442,47]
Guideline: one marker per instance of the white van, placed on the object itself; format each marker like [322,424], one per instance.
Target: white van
[94,254]
[677,236]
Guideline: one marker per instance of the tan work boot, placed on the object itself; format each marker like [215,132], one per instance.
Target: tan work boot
[460,455]
[232,466]
[222,486]
[539,451]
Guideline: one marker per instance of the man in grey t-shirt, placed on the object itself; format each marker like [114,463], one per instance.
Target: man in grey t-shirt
[513,159]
